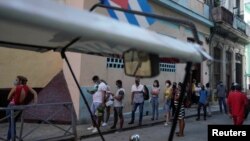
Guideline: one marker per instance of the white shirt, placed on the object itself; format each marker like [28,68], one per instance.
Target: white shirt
[138,93]
[98,95]
[118,103]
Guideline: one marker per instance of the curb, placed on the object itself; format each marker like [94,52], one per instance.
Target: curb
[134,127]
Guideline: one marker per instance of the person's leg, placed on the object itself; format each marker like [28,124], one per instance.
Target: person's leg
[220,104]
[182,126]
[9,121]
[107,113]
[198,111]
[141,112]
[157,108]
[205,111]
[133,113]
[153,108]
[121,117]
[168,103]
[115,117]
[93,110]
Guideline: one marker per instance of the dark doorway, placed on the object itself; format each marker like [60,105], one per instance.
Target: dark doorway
[238,66]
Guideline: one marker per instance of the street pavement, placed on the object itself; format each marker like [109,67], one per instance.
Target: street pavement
[83,133]
[150,130]
[194,130]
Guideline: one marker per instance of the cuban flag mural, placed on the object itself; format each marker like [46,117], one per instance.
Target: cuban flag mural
[137,5]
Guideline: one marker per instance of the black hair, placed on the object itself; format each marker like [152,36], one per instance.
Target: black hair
[157,83]
[169,82]
[207,85]
[95,78]
[119,82]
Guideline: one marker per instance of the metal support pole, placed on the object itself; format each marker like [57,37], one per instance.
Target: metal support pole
[73,122]
[180,102]
[155,16]
[12,122]
[78,85]
[21,129]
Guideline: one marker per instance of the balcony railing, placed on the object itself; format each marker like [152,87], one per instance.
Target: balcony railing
[222,15]
[195,5]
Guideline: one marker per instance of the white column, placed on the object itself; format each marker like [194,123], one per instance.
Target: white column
[223,65]
[244,79]
[233,67]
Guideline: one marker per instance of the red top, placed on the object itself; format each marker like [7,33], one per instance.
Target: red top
[237,103]
[20,89]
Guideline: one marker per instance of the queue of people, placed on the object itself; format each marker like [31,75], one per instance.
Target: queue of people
[104,100]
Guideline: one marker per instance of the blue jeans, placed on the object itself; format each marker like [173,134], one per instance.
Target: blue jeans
[135,105]
[8,113]
[155,104]
[222,101]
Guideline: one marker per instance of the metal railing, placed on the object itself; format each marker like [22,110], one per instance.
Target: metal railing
[36,130]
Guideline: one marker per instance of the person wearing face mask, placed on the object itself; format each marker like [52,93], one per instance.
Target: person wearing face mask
[167,101]
[16,97]
[155,99]
[118,104]
[137,99]
[98,103]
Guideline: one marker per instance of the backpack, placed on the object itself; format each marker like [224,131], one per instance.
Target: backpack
[146,93]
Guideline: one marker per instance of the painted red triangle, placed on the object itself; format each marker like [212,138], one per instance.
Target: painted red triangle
[122,3]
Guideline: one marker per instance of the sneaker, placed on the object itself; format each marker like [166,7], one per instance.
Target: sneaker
[104,124]
[90,128]
[94,130]
[165,124]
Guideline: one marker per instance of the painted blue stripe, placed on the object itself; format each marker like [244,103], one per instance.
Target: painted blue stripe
[147,9]
[131,18]
[110,11]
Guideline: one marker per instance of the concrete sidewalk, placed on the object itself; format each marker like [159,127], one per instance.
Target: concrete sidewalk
[43,131]
[190,113]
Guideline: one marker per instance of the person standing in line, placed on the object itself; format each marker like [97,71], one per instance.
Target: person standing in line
[97,106]
[137,99]
[202,103]
[155,99]
[237,104]
[167,101]
[181,115]
[221,94]
[16,97]
[209,96]
[118,105]
[174,91]
[108,104]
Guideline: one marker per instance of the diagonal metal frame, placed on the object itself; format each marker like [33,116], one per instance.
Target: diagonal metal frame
[47,121]
[188,64]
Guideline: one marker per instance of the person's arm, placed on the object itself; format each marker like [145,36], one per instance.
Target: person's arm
[34,94]
[11,93]
[120,96]
[103,97]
